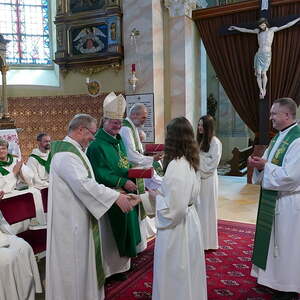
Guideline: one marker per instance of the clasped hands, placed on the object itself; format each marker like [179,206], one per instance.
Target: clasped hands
[257,162]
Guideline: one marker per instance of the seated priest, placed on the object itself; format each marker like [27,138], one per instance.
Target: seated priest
[38,161]
[16,179]
[19,274]
[12,170]
[120,232]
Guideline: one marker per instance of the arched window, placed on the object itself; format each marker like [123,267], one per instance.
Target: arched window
[26,24]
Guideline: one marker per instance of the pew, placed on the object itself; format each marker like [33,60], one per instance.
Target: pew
[238,162]
[20,208]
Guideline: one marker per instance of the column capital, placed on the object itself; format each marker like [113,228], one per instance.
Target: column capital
[178,8]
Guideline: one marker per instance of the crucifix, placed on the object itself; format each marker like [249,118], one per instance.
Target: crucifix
[262,59]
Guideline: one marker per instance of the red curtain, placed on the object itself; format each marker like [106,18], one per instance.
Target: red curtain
[232,57]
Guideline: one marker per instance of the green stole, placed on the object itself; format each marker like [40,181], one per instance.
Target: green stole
[267,203]
[44,163]
[62,146]
[139,181]
[3,171]
[158,169]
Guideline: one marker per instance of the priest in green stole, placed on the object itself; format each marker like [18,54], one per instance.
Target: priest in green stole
[276,259]
[107,154]
[131,138]
[12,170]
[38,161]
[76,203]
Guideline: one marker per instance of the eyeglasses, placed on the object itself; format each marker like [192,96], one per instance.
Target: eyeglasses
[91,132]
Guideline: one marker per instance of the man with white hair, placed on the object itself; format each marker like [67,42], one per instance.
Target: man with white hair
[131,138]
[76,202]
[12,170]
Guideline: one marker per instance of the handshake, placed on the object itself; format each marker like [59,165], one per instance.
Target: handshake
[126,202]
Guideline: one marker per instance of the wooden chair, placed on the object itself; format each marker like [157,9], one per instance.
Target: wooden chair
[238,163]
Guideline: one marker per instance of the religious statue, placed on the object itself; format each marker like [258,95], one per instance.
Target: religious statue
[88,40]
[113,31]
[262,59]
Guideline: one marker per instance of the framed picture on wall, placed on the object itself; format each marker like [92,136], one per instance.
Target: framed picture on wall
[89,39]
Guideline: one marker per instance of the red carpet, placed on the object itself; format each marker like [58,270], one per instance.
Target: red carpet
[228,269]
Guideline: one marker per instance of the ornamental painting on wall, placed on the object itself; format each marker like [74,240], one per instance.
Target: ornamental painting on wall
[89,34]
[89,39]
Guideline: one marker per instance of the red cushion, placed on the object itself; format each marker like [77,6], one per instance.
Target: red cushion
[18,208]
[36,239]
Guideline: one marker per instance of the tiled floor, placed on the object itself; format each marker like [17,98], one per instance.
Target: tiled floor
[238,200]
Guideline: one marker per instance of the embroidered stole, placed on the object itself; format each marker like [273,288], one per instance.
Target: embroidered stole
[267,203]
[139,181]
[62,146]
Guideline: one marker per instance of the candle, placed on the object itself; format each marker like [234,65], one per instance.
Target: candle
[87,80]
[133,68]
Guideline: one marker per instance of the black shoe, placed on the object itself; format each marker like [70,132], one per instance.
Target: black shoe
[285,296]
[117,277]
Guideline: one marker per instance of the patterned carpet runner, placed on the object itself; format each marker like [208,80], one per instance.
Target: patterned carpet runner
[228,269]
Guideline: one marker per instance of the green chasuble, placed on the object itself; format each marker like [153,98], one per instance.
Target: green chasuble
[109,161]
[62,146]
[267,203]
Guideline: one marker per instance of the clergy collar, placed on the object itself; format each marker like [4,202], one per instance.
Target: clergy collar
[38,152]
[113,136]
[288,127]
[103,135]
[75,143]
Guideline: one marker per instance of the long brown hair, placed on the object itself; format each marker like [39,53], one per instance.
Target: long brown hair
[204,138]
[180,142]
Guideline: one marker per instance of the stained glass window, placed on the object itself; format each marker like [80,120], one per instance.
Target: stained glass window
[26,24]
